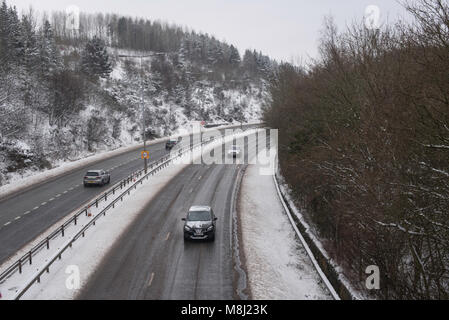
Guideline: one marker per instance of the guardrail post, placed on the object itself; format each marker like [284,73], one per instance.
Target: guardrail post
[31,258]
[75,220]
[96,203]
[62,230]
[20,266]
[106,197]
[48,243]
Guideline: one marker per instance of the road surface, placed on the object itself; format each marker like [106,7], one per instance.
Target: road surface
[27,214]
[151,259]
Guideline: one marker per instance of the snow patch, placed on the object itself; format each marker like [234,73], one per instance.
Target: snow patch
[278,266]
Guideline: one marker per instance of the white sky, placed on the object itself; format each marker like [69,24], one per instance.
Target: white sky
[283,29]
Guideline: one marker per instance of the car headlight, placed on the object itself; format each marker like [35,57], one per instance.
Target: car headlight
[187,228]
[210,228]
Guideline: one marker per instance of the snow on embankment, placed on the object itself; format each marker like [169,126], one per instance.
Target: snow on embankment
[278,266]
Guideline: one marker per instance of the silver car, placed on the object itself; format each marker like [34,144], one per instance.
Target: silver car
[96,177]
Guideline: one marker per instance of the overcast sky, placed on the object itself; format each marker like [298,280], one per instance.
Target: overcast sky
[283,29]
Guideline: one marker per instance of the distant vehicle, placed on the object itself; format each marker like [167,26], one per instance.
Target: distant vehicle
[171,143]
[200,224]
[96,177]
[234,152]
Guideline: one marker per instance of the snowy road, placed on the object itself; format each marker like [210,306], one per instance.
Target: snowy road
[151,260]
[27,214]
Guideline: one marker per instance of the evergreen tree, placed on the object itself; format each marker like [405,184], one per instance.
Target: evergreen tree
[50,59]
[234,56]
[95,59]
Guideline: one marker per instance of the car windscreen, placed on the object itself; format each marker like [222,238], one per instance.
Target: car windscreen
[199,216]
[92,174]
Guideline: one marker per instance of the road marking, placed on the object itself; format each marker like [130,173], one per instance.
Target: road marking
[168,236]
[18,218]
[43,203]
[71,189]
[65,191]
[151,279]
[51,199]
[7,223]
[35,208]
[58,195]
[26,213]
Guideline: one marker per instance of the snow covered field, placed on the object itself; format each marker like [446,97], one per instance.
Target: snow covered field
[277,264]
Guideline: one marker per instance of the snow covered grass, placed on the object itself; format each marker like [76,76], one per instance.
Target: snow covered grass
[317,242]
[87,253]
[278,266]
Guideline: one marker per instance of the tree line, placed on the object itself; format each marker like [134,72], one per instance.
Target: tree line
[364,147]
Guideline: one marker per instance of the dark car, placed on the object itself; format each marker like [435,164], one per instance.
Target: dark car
[170,144]
[96,177]
[200,224]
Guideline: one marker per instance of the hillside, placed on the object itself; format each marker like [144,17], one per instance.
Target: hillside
[65,94]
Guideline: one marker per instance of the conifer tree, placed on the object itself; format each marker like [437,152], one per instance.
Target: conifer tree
[95,59]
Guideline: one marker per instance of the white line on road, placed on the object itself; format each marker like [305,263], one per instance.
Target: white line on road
[43,203]
[58,195]
[65,191]
[168,236]
[151,279]
[35,208]
[51,199]
[26,213]
[7,223]
[18,218]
